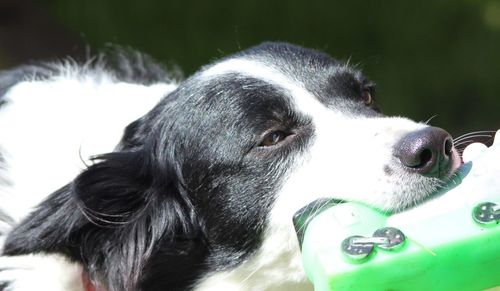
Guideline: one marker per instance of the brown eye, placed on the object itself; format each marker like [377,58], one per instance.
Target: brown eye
[273,138]
[367,97]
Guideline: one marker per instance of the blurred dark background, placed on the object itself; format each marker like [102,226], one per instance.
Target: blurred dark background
[428,57]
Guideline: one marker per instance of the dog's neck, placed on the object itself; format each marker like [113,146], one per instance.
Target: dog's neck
[276,266]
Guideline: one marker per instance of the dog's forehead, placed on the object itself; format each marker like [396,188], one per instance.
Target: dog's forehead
[291,57]
[300,71]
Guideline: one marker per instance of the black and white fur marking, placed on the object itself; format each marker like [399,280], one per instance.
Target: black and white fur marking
[200,191]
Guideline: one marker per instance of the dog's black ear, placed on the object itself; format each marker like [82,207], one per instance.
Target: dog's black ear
[116,215]
[136,205]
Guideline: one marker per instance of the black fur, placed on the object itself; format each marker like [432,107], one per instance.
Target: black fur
[185,193]
[126,65]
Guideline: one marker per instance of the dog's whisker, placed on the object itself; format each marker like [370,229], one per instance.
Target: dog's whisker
[429,120]
[473,133]
[472,138]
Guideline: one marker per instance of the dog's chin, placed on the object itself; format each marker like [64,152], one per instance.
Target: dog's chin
[409,188]
[420,189]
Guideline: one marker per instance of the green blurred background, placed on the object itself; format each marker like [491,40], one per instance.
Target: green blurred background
[428,57]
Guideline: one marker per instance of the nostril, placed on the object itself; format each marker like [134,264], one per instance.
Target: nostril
[425,158]
[448,147]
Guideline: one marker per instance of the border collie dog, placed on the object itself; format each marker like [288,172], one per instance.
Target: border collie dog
[159,184]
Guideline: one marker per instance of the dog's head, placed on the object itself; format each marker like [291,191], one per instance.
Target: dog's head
[215,172]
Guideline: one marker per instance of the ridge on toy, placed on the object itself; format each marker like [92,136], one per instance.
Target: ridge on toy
[451,242]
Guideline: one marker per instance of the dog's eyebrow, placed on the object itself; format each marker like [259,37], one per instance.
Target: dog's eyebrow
[249,68]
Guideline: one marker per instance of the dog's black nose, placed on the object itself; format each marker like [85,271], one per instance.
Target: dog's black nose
[427,151]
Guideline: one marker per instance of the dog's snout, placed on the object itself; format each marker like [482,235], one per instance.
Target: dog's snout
[427,151]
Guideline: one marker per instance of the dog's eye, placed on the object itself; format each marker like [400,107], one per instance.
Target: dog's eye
[367,96]
[273,138]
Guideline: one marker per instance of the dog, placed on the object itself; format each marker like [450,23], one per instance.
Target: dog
[191,185]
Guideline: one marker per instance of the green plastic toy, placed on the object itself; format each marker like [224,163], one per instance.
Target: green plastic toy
[451,242]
